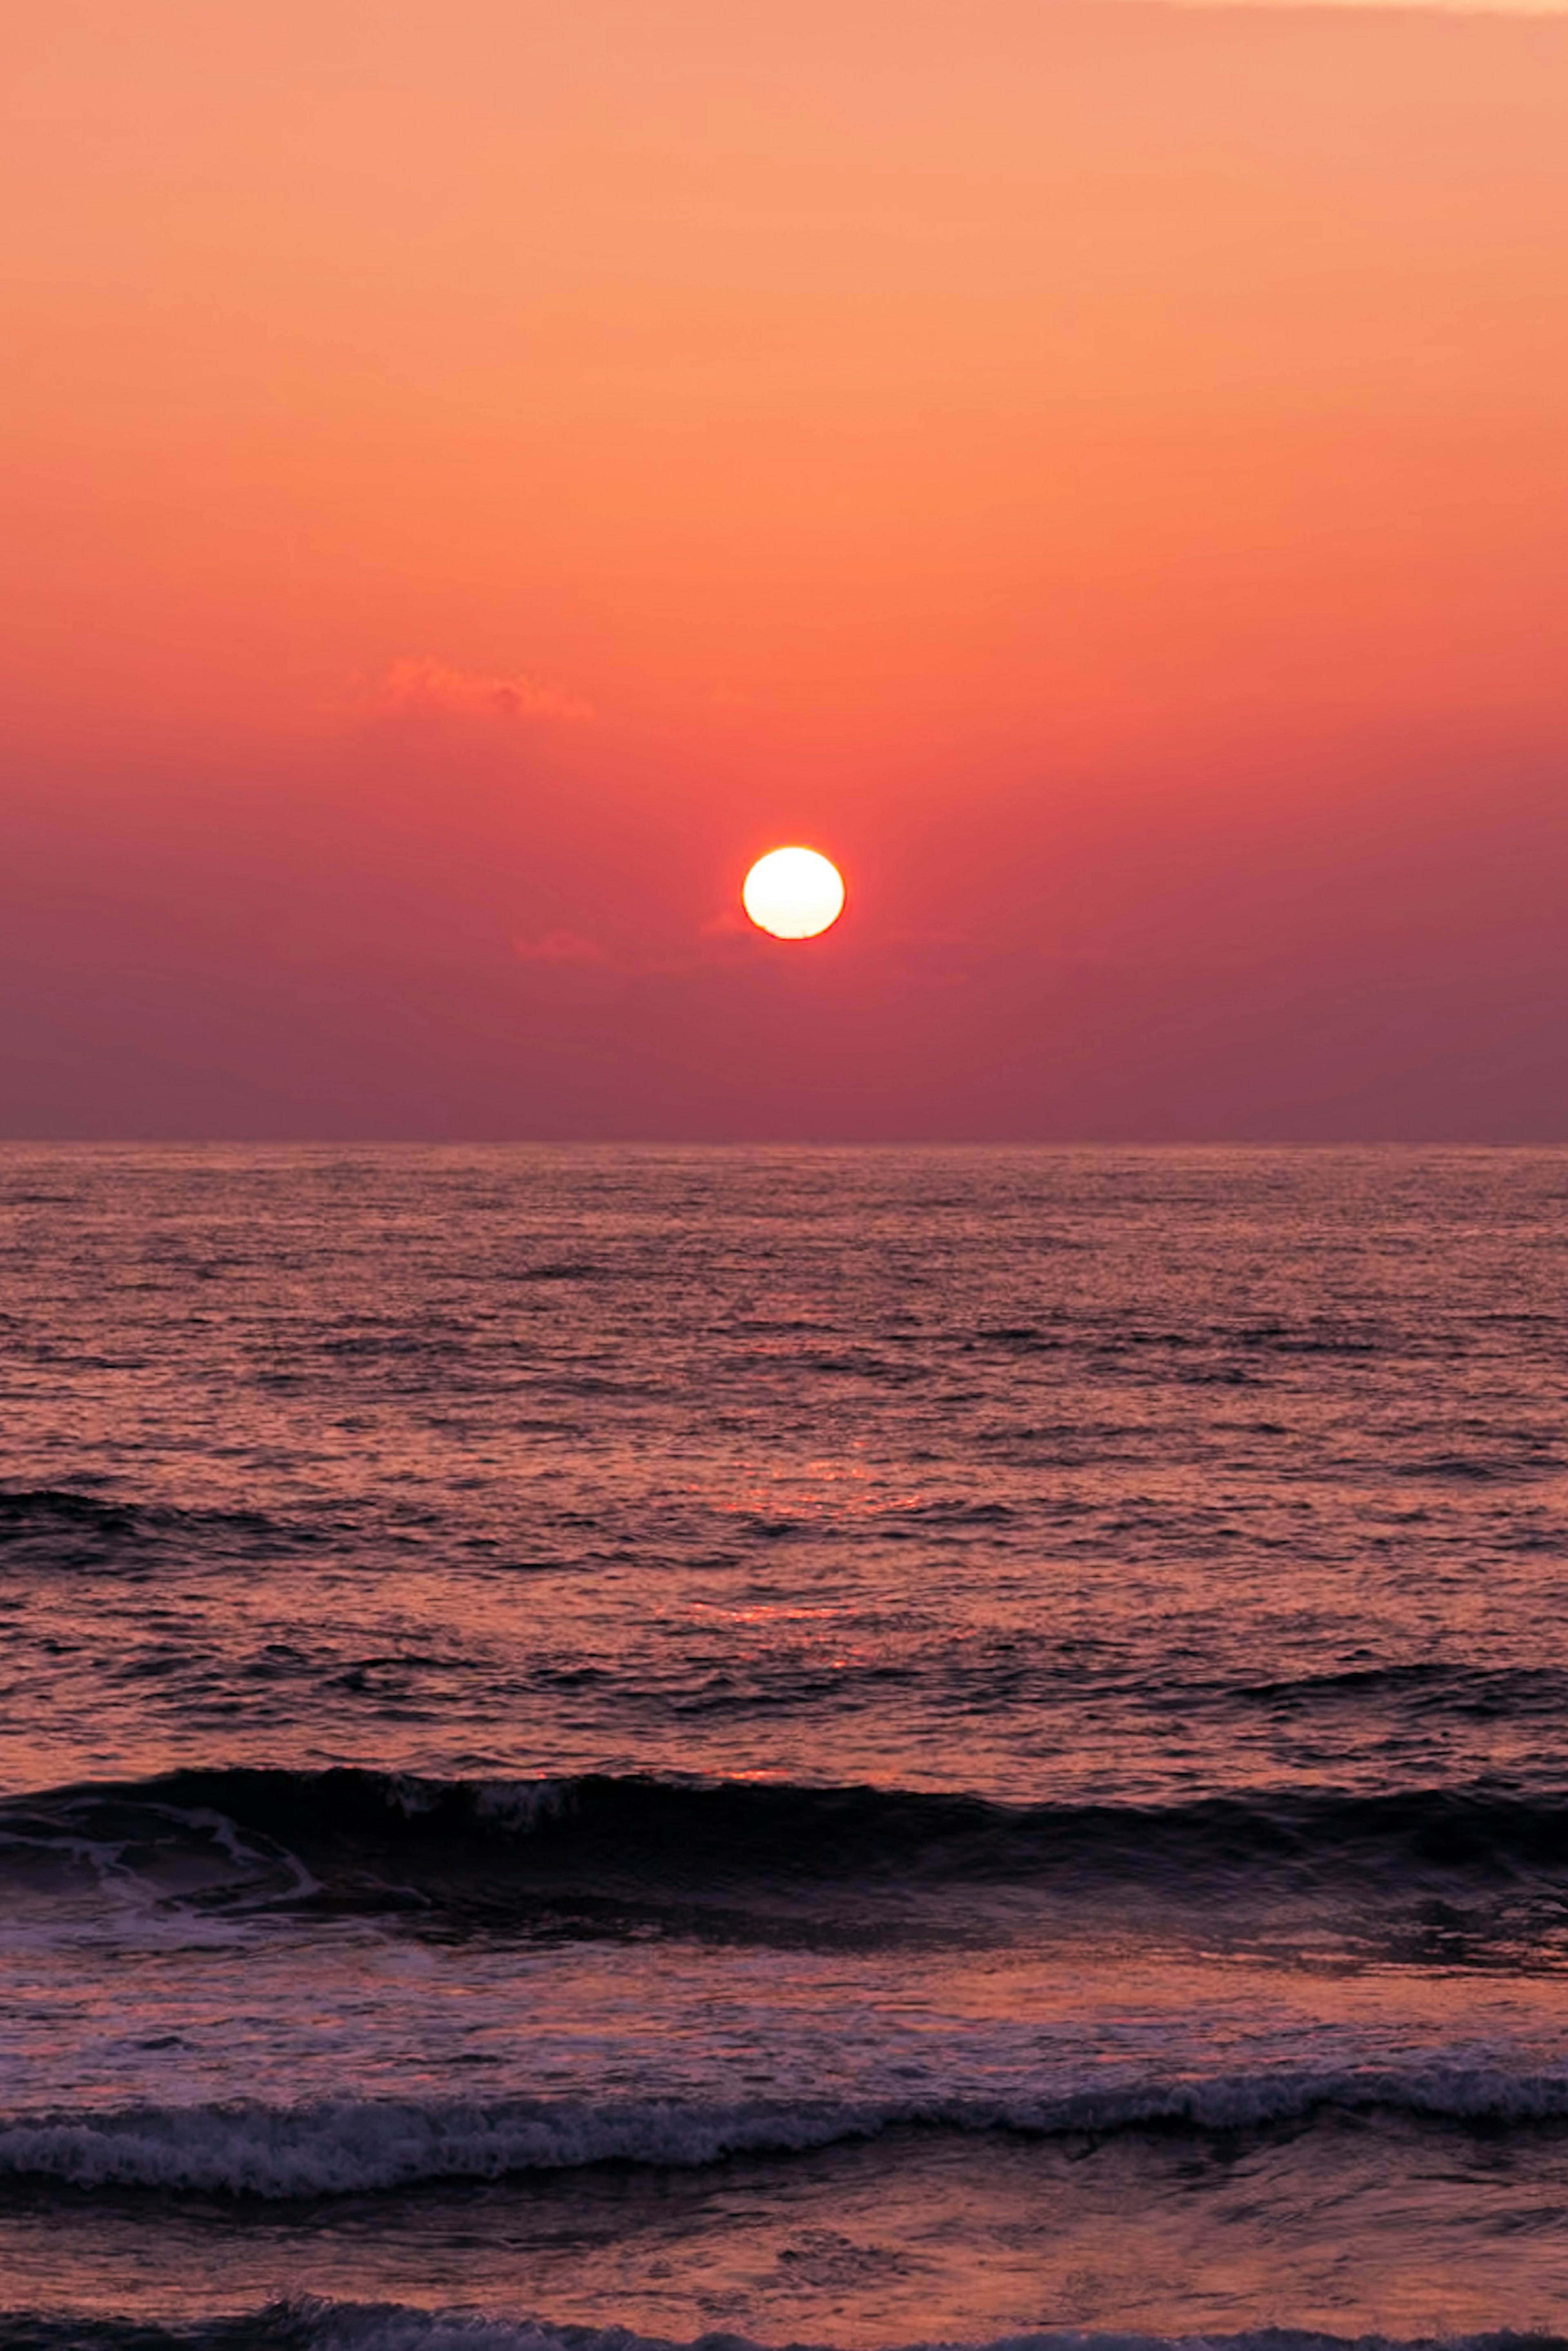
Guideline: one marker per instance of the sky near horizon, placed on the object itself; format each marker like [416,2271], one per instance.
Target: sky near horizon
[471,480]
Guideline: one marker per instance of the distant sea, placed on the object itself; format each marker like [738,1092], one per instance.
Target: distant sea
[824,1747]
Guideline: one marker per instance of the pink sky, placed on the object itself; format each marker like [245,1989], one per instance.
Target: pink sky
[470,485]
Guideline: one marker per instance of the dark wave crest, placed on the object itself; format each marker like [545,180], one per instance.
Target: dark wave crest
[57,1529]
[308,2324]
[356,2147]
[523,1851]
[30,1510]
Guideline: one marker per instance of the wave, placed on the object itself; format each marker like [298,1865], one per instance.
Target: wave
[512,1852]
[355,2146]
[29,1511]
[56,1528]
[309,2324]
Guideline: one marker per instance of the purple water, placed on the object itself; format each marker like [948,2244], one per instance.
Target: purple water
[838,1747]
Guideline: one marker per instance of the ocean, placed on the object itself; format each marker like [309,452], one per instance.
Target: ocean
[829,1747]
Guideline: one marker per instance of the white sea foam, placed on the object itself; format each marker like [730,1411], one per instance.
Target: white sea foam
[520,1804]
[340,2326]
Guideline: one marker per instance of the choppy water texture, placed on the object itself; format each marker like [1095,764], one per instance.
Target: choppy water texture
[848,1748]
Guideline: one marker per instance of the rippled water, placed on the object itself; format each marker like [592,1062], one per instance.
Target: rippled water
[848,1746]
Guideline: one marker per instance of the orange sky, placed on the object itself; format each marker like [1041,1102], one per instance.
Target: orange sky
[473,478]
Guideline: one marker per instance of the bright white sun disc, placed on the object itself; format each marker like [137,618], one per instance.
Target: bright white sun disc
[793,893]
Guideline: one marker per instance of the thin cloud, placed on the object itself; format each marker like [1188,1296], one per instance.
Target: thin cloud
[410,688]
[729,925]
[560,947]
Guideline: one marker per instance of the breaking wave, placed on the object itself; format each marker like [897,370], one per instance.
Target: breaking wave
[504,1849]
[360,2146]
[308,2324]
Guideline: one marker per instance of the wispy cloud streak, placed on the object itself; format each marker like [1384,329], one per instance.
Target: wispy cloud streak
[411,688]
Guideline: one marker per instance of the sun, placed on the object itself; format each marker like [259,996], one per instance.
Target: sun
[794,893]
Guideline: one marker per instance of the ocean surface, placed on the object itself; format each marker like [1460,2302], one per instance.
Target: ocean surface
[817,1747]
